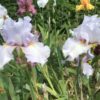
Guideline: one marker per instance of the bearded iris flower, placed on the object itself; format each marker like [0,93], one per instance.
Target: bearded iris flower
[26,6]
[84,37]
[3,15]
[72,49]
[18,34]
[85,4]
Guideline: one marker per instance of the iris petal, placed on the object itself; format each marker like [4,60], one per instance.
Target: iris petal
[42,3]
[73,48]
[17,33]
[37,53]
[87,69]
[5,55]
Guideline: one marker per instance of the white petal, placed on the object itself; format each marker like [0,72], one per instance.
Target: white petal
[3,11]
[37,53]
[17,33]
[42,3]
[73,48]
[5,55]
[87,69]
[89,29]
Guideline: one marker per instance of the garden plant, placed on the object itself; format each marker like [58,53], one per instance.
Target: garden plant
[49,49]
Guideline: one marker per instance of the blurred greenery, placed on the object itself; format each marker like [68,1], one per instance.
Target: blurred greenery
[56,80]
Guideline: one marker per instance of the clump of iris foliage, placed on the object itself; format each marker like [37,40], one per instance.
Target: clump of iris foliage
[57,79]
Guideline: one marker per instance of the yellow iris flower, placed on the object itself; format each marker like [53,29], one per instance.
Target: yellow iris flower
[85,4]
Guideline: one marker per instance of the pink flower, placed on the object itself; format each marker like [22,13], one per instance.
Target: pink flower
[26,6]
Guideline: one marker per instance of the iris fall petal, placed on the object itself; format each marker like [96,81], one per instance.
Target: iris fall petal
[37,53]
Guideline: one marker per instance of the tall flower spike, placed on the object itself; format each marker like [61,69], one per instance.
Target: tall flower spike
[37,53]
[17,33]
[85,4]
[26,6]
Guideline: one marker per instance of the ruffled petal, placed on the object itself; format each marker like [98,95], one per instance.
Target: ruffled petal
[73,48]
[87,69]
[17,33]
[5,55]
[37,53]
[89,30]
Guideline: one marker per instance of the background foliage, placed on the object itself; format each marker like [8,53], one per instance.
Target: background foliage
[58,79]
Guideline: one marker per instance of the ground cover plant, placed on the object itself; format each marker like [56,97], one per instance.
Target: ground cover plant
[49,49]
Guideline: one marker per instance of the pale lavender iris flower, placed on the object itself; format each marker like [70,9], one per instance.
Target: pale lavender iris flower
[18,34]
[26,6]
[72,48]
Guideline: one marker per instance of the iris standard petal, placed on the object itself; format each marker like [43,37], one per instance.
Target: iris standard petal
[17,33]
[89,30]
